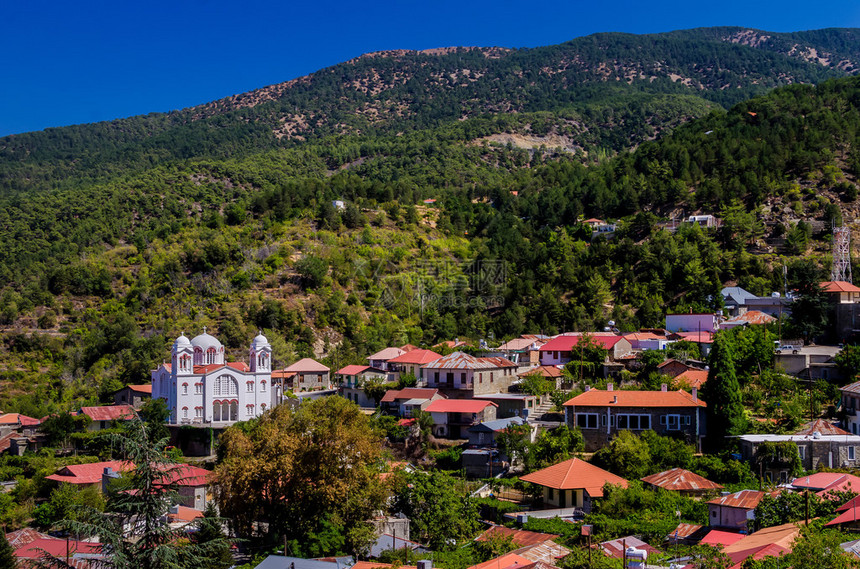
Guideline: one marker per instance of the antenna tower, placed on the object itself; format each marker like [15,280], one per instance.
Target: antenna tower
[841,255]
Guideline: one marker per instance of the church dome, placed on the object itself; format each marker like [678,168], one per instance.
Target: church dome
[205,341]
[181,342]
[259,342]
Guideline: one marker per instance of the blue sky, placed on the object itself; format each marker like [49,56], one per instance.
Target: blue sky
[75,62]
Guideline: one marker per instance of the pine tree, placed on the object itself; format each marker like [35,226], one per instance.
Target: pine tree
[722,393]
[133,529]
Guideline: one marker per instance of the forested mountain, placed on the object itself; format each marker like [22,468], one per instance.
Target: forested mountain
[115,236]
[397,91]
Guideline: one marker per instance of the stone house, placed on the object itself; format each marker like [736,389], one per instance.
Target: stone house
[306,374]
[600,415]
[816,451]
[460,375]
[453,417]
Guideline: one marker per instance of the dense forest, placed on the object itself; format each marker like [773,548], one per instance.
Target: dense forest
[462,205]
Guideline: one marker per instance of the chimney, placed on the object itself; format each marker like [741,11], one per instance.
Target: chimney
[695,394]
[664,388]
[609,387]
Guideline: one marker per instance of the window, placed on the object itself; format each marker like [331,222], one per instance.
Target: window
[198,411]
[249,410]
[249,386]
[185,412]
[198,388]
[263,385]
[491,377]
[634,422]
[480,378]
[263,407]
[673,422]
[851,453]
[226,385]
[586,420]
[802,452]
[184,389]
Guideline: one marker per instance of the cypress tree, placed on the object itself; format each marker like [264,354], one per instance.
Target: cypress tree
[722,393]
[7,554]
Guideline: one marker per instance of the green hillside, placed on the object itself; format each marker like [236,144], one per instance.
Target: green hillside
[111,244]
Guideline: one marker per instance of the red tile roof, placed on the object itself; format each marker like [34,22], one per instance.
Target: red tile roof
[352,369]
[575,474]
[386,354]
[306,365]
[680,480]
[209,368]
[601,398]
[544,371]
[824,482]
[56,547]
[23,536]
[184,514]
[460,360]
[722,538]
[393,395]
[110,412]
[693,378]
[417,356]
[147,388]
[746,499]
[755,317]
[518,537]
[821,426]
[408,347]
[839,286]
[615,548]
[458,406]
[850,515]
[506,561]
[186,475]
[88,473]
[18,419]
[567,343]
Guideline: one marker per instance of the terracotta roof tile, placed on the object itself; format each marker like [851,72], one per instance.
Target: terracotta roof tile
[821,426]
[601,398]
[386,354]
[110,412]
[416,357]
[544,371]
[88,473]
[18,419]
[746,499]
[693,378]
[306,365]
[518,537]
[458,406]
[460,360]
[506,561]
[567,343]
[393,395]
[680,480]
[839,286]
[352,369]
[574,474]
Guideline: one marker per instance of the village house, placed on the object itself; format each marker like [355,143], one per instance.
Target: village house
[552,374]
[821,483]
[600,415]
[460,375]
[453,417]
[748,318]
[851,407]
[682,481]
[647,341]
[404,402]
[351,381]
[816,451]
[107,416]
[692,322]
[411,362]
[844,300]
[523,351]
[513,404]
[380,359]
[573,483]
[307,374]
[673,368]
[484,434]
[562,349]
[134,395]
[734,510]
[691,379]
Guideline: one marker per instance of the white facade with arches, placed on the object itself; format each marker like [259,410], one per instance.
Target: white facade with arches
[200,387]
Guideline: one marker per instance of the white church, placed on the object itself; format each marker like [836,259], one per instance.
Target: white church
[201,388]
